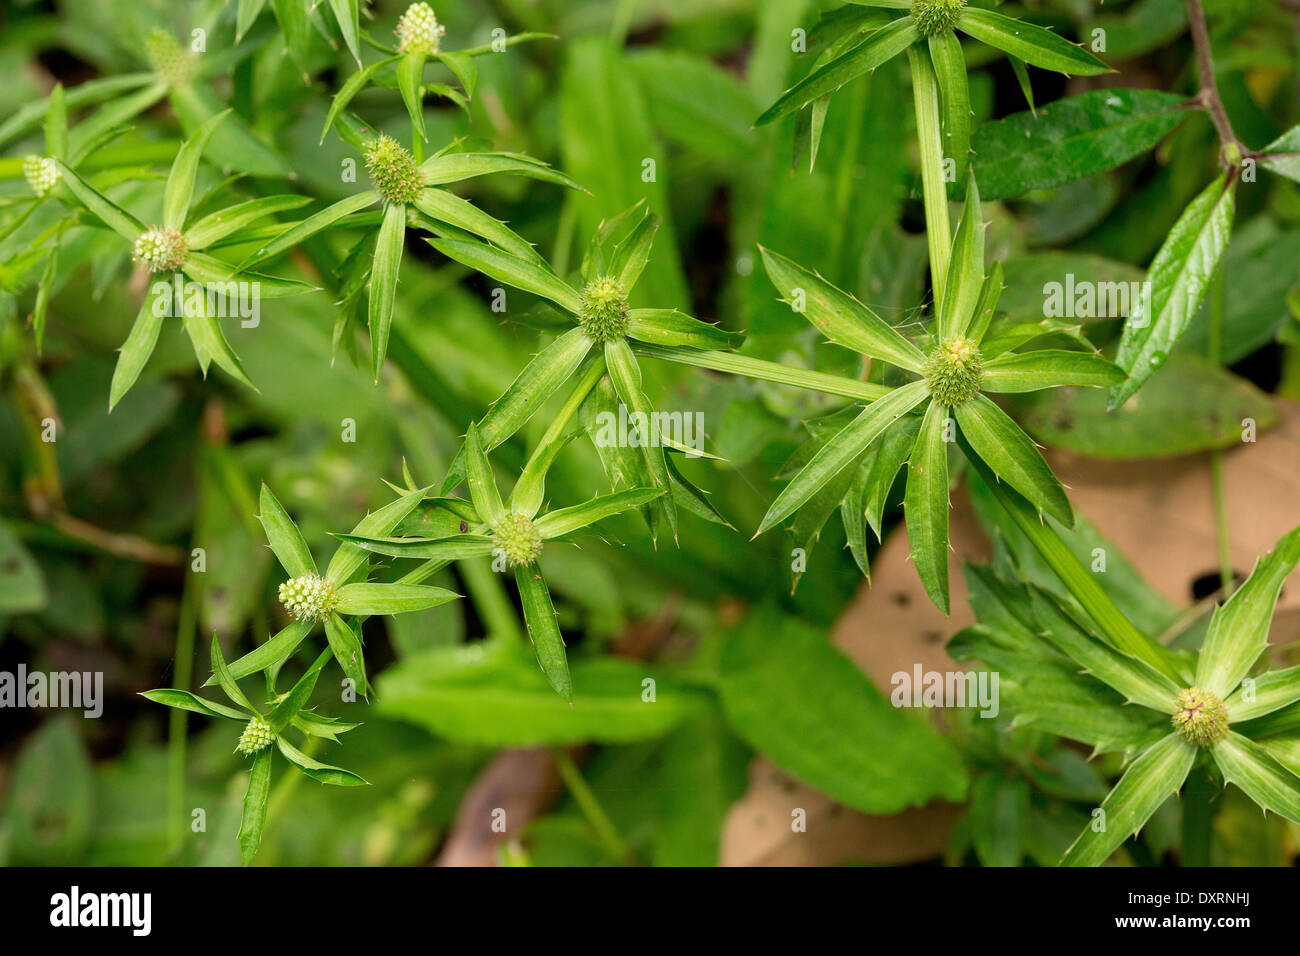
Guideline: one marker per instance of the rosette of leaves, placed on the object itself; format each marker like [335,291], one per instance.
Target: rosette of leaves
[858,44]
[1209,711]
[261,730]
[409,195]
[341,598]
[604,326]
[953,373]
[419,42]
[513,533]
[175,245]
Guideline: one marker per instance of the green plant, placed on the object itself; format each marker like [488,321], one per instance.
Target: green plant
[876,396]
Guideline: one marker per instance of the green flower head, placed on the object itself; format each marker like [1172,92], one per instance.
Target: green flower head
[172,62]
[162,250]
[41,173]
[309,598]
[518,538]
[256,736]
[1201,717]
[936,16]
[953,371]
[393,170]
[603,313]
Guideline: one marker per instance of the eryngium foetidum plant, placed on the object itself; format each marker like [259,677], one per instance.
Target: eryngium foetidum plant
[340,598]
[513,533]
[953,373]
[604,326]
[408,193]
[260,731]
[1204,708]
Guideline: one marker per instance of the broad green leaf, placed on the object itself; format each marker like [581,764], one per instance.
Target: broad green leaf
[950,71]
[225,680]
[320,772]
[845,447]
[184,700]
[668,327]
[1048,368]
[443,206]
[1072,138]
[410,69]
[1033,44]
[310,226]
[1179,276]
[1267,693]
[879,47]
[282,534]
[346,645]
[1137,682]
[111,214]
[495,696]
[349,559]
[565,521]
[544,629]
[140,342]
[463,67]
[383,283]
[1282,156]
[371,597]
[454,167]
[1148,782]
[839,316]
[1259,774]
[1238,631]
[783,684]
[965,280]
[448,549]
[275,651]
[253,820]
[224,222]
[1190,406]
[1013,456]
[482,483]
[180,181]
[925,504]
[520,273]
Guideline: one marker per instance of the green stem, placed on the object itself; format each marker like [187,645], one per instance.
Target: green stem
[767,371]
[925,93]
[1198,818]
[490,598]
[1215,350]
[186,627]
[590,807]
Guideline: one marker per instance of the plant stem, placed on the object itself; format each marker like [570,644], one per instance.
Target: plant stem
[1226,577]
[590,807]
[938,233]
[1198,818]
[1209,94]
[767,371]
[490,598]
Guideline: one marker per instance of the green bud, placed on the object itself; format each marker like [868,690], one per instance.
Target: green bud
[173,64]
[936,16]
[309,597]
[1201,718]
[418,30]
[41,173]
[256,736]
[953,371]
[393,170]
[162,250]
[518,539]
[603,312]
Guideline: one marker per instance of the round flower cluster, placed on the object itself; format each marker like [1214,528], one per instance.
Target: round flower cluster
[418,30]
[256,736]
[309,597]
[936,16]
[162,250]
[603,312]
[953,371]
[169,60]
[1201,718]
[393,170]
[518,539]
[41,173]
